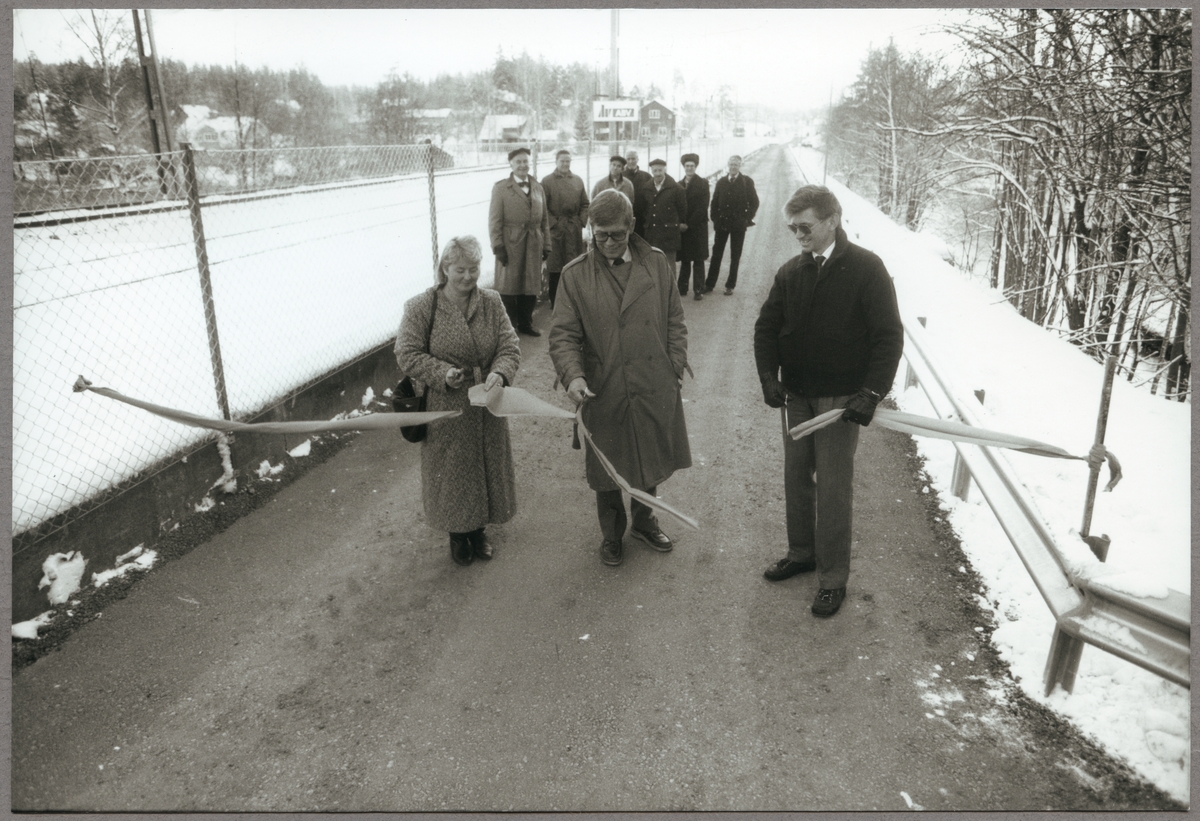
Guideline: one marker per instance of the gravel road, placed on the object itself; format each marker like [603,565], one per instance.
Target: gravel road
[323,653]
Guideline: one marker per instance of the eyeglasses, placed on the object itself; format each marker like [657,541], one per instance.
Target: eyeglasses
[802,229]
[615,236]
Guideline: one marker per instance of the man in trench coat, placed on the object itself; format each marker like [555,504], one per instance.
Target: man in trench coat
[567,204]
[693,243]
[519,233]
[619,345]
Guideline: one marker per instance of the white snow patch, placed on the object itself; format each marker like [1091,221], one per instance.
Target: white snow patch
[144,561]
[368,397]
[204,504]
[266,469]
[62,573]
[302,449]
[28,629]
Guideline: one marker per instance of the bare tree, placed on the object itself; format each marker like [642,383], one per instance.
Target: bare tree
[108,37]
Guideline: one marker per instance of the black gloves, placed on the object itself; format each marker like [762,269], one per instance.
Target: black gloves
[861,407]
[501,254]
[773,392]
[545,255]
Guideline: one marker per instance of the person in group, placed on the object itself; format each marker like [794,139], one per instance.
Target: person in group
[693,243]
[615,179]
[660,211]
[567,205]
[617,299]
[467,479]
[828,336]
[734,204]
[519,231]
[635,175]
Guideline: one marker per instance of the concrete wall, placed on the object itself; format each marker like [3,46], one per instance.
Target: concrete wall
[141,510]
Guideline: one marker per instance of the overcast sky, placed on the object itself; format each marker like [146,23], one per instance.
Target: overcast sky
[788,57]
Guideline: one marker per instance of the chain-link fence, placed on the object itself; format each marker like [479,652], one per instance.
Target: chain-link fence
[220,282]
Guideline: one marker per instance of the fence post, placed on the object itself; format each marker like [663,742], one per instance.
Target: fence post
[432,203]
[210,312]
[960,479]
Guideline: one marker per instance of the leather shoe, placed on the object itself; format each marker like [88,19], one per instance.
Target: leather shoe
[612,552]
[699,296]
[708,289]
[786,568]
[480,547]
[460,549]
[529,331]
[655,538]
[728,292]
[827,602]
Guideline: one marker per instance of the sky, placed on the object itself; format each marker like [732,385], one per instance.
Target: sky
[813,52]
[1038,386]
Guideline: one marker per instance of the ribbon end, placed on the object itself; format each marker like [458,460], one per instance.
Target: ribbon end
[81,385]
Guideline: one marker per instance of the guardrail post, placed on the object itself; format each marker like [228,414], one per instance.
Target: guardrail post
[432,202]
[960,479]
[910,376]
[210,311]
[1063,662]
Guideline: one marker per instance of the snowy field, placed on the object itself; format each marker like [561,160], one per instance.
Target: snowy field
[1044,388]
[301,284]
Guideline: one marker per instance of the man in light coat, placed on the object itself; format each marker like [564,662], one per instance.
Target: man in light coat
[567,204]
[619,345]
[519,233]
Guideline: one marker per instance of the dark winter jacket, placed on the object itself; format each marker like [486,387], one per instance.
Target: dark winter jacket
[693,243]
[734,204]
[657,214]
[834,333]
[636,177]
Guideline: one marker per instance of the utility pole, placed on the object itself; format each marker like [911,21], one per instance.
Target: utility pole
[614,78]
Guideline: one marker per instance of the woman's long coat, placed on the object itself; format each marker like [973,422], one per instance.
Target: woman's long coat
[632,350]
[567,205]
[659,213]
[693,243]
[467,476]
[520,223]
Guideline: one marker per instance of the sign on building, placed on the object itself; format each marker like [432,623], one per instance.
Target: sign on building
[623,111]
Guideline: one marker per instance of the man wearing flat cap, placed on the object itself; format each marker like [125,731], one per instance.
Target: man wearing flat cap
[616,179]
[519,233]
[567,204]
[693,243]
[660,211]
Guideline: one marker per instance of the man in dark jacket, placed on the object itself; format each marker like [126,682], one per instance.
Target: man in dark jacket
[829,336]
[734,204]
[632,173]
[660,211]
[693,243]
[567,205]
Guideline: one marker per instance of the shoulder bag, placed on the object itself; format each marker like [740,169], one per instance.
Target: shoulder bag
[405,399]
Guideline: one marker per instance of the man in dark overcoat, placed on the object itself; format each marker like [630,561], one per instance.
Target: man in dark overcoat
[828,336]
[567,205]
[734,204]
[693,243]
[632,173]
[618,341]
[660,211]
[519,233]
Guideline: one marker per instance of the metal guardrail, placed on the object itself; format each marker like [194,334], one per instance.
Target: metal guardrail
[1153,633]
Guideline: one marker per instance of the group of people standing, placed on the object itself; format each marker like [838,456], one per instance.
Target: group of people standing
[828,336]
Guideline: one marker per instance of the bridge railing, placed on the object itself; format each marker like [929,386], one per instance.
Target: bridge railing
[1153,633]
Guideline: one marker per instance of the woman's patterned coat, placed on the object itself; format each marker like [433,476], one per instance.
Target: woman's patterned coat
[467,475]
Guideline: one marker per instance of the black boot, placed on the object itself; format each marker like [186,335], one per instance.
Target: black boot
[527,303]
[480,545]
[460,549]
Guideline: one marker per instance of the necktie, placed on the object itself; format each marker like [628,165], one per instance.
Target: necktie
[618,261]
[820,260]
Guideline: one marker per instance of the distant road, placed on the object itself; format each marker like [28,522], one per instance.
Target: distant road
[325,654]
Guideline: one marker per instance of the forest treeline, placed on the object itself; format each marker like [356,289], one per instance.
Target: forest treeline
[1062,142]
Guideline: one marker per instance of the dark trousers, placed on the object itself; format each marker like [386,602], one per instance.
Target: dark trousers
[738,238]
[519,308]
[818,486]
[610,507]
[553,277]
[693,269]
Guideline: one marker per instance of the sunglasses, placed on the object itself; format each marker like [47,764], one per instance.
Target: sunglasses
[802,229]
[615,236]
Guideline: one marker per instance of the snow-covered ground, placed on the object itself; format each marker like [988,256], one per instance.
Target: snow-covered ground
[301,284]
[1044,388]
